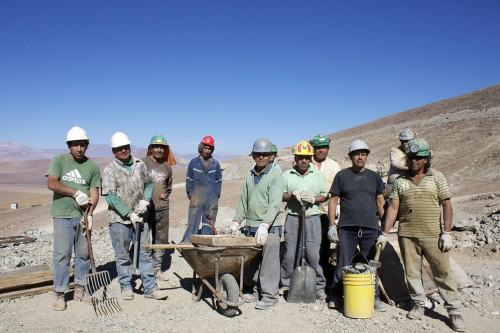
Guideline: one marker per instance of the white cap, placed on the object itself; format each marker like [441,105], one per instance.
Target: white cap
[119,139]
[76,134]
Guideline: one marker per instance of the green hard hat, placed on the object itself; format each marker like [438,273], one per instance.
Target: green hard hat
[320,140]
[418,147]
[158,139]
[275,149]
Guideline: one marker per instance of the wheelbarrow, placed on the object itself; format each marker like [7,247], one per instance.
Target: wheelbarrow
[223,264]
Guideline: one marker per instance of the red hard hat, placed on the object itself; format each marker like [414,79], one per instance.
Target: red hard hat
[208,140]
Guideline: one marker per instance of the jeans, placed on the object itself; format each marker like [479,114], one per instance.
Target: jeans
[68,234]
[122,235]
[324,250]
[199,206]
[349,239]
[159,222]
[293,249]
[412,250]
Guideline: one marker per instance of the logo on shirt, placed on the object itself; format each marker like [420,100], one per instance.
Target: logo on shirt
[157,177]
[74,176]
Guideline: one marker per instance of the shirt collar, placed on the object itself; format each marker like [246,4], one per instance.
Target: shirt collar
[266,170]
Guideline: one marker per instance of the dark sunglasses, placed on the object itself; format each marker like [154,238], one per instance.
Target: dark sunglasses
[416,157]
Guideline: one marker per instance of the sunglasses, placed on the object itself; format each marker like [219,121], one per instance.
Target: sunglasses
[416,158]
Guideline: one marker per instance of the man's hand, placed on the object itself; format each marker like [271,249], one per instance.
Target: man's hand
[81,198]
[134,218]
[382,240]
[307,197]
[89,223]
[141,207]
[262,233]
[332,234]
[445,241]
[296,194]
[234,227]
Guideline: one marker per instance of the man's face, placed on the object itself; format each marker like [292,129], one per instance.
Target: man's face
[157,151]
[261,159]
[77,149]
[416,163]
[320,153]
[404,144]
[302,162]
[122,153]
[206,152]
[359,157]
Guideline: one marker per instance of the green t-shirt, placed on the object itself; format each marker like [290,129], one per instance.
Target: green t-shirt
[80,176]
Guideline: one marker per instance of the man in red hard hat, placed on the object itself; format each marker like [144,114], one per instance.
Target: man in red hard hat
[203,186]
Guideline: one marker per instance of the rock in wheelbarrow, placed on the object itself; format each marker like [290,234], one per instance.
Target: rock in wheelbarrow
[223,241]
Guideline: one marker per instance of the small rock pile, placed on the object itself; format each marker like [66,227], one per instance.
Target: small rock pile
[479,232]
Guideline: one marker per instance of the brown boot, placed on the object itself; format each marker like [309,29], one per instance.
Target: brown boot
[161,276]
[80,294]
[59,302]
[456,322]
[157,294]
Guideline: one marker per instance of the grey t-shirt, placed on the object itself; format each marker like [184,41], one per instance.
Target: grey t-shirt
[357,192]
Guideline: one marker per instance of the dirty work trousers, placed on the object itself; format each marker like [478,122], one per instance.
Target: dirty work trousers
[324,250]
[412,250]
[293,249]
[159,222]
[265,268]
[69,233]
[199,206]
[349,239]
[122,235]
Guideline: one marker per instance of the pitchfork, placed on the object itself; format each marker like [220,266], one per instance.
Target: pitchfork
[97,284]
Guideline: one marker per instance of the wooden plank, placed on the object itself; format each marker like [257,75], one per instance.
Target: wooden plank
[168,246]
[28,292]
[223,240]
[16,239]
[27,280]
[26,270]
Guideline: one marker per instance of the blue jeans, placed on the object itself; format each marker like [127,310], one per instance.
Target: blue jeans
[68,234]
[199,206]
[349,239]
[122,235]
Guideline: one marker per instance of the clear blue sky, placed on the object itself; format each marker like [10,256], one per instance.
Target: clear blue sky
[236,70]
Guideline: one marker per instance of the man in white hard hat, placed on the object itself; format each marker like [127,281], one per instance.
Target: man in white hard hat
[360,191]
[203,187]
[127,188]
[260,205]
[75,181]
[397,157]
[418,197]
[158,160]
[329,168]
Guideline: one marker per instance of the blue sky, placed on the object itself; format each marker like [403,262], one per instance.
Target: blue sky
[235,70]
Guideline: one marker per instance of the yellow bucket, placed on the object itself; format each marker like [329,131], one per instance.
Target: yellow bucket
[359,294]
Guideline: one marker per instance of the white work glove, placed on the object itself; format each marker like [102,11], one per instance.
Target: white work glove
[89,222]
[141,207]
[382,240]
[134,218]
[261,234]
[332,234]
[307,197]
[296,194]
[445,242]
[234,227]
[81,198]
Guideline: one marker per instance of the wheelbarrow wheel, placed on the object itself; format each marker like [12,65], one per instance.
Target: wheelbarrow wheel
[229,290]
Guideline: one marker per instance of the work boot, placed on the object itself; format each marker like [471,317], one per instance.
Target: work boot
[80,294]
[59,302]
[160,275]
[321,295]
[335,303]
[416,312]
[262,305]
[127,294]
[456,322]
[251,298]
[379,306]
[157,294]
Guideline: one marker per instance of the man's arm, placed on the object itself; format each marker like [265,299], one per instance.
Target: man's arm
[94,199]
[319,199]
[55,185]
[447,214]
[380,204]
[392,213]
[332,209]
[287,197]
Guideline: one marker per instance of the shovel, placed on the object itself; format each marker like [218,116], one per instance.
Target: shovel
[134,270]
[303,280]
[97,284]
[377,264]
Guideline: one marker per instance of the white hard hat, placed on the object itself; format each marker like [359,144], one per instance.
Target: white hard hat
[119,139]
[76,134]
[357,145]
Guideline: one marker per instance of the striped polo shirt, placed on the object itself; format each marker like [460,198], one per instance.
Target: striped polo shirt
[419,204]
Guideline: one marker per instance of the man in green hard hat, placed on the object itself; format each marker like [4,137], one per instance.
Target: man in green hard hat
[274,154]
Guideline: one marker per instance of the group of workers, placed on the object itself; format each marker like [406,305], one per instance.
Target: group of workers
[137,192]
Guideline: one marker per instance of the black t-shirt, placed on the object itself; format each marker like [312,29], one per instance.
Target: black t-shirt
[357,192]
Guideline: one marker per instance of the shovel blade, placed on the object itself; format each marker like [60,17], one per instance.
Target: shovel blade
[302,285]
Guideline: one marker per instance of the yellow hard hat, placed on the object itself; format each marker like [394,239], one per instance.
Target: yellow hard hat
[303,148]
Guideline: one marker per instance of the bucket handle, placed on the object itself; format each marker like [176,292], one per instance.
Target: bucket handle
[355,254]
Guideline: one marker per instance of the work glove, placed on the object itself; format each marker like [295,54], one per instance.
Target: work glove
[382,240]
[307,197]
[141,207]
[332,234]
[89,223]
[134,218]
[81,198]
[234,227]
[261,234]
[445,242]
[296,194]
